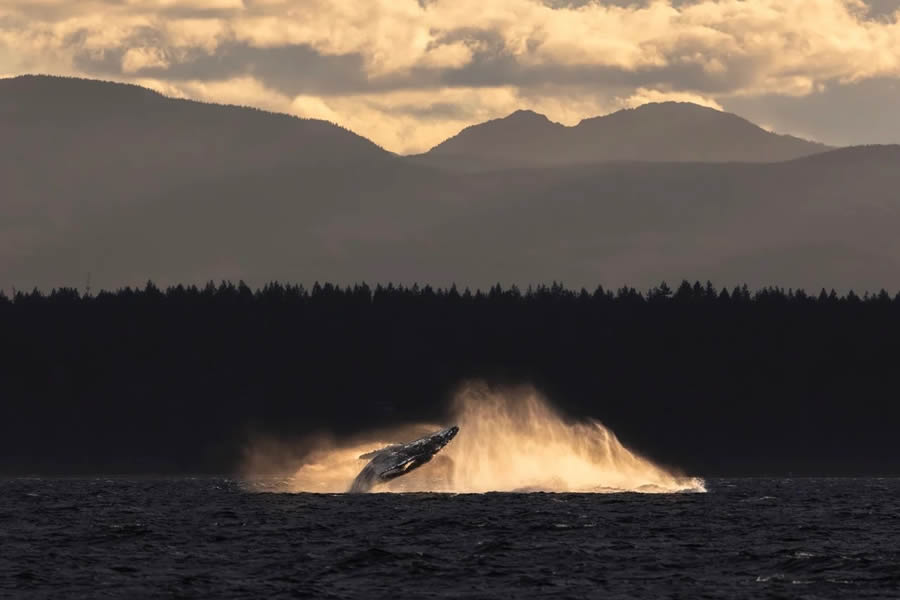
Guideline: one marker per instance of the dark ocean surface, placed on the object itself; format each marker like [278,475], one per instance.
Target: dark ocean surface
[210,538]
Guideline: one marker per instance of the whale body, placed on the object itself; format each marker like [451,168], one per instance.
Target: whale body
[395,460]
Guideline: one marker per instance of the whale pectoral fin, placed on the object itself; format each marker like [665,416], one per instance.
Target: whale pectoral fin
[405,467]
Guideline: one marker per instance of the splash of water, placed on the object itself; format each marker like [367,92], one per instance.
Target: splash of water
[509,440]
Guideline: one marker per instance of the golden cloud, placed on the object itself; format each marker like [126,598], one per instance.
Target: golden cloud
[483,58]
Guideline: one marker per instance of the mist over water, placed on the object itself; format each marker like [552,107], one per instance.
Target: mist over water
[510,440]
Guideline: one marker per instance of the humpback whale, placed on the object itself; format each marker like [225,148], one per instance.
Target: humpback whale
[395,460]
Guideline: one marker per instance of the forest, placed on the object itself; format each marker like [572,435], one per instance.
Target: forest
[716,382]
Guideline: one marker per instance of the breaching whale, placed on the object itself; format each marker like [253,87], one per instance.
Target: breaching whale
[399,459]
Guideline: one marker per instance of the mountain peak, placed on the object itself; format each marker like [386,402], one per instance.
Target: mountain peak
[147,120]
[524,114]
[132,140]
[657,131]
[504,135]
[669,109]
[676,105]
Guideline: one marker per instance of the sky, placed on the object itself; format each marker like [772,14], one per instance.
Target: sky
[407,74]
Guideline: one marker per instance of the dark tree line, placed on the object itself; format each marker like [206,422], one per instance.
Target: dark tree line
[714,381]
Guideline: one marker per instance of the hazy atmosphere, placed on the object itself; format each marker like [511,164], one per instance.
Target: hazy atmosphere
[409,73]
[449,299]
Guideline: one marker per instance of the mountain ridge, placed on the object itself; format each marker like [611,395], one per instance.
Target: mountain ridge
[44,99]
[181,192]
[658,132]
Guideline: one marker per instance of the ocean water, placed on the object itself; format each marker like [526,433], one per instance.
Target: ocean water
[212,538]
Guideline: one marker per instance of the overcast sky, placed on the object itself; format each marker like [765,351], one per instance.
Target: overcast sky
[409,73]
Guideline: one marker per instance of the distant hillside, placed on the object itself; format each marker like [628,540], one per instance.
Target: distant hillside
[669,131]
[40,113]
[122,185]
[81,155]
[76,143]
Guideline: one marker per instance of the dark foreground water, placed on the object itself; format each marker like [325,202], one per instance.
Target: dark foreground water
[746,538]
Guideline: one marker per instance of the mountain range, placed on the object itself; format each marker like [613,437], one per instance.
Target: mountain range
[120,184]
[667,131]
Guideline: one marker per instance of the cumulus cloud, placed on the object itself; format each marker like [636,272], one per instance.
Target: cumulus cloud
[138,59]
[643,96]
[408,73]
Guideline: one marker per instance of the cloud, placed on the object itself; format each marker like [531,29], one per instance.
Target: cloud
[644,96]
[859,113]
[138,59]
[404,72]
